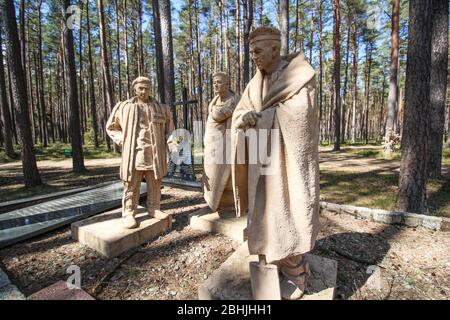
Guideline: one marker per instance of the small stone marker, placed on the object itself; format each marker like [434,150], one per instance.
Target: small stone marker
[60,291]
[231,281]
[206,220]
[105,234]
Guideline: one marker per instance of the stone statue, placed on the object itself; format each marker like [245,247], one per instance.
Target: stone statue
[140,126]
[217,186]
[282,205]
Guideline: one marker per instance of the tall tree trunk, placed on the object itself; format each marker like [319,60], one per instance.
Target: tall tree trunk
[6,114]
[355,81]
[80,48]
[125,48]
[142,71]
[19,89]
[199,65]
[22,34]
[41,79]
[74,107]
[116,6]
[238,46]
[367,92]
[248,21]
[393,88]
[311,24]
[320,70]
[109,103]
[438,86]
[344,96]
[337,74]
[413,168]
[158,50]
[167,50]
[284,26]
[92,102]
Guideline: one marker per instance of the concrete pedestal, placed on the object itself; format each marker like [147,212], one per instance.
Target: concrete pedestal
[226,224]
[232,280]
[105,234]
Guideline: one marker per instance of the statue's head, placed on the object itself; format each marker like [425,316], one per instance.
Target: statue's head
[220,83]
[265,44]
[141,87]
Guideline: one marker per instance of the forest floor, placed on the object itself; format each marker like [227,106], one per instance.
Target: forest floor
[411,263]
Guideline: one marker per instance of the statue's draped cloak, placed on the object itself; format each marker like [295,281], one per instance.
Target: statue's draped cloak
[283,205]
[122,127]
[216,167]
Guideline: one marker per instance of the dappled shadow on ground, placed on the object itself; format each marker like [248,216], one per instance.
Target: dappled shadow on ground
[357,255]
[56,179]
[375,188]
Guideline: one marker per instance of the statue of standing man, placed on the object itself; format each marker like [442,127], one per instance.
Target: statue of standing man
[283,202]
[140,126]
[217,186]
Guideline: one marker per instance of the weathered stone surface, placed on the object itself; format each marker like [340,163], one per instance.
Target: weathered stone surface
[105,233]
[232,280]
[206,220]
[390,217]
[10,292]
[433,223]
[387,216]
[60,291]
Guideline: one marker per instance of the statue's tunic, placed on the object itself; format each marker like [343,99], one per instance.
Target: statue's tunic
[124,126]
[217,170]
[144,150]
[283,205]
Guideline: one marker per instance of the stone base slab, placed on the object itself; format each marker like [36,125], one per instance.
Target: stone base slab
[60,291]
[206,220]
[105,234]
[232,280]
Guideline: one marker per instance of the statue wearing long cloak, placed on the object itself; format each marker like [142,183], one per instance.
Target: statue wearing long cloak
[217,188]
[283,205]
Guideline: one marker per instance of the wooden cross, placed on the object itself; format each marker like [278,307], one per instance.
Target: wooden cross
[185,103]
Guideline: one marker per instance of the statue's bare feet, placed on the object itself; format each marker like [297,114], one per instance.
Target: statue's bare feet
[158,214]
[129,222]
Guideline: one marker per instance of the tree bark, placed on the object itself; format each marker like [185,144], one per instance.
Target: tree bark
[41,80]
[284,26]
[19,89]
[337,74]
[109,102]
[393,88]
[438,86]
[355,81]
[92,102]
[238,46]
[6,114]
[158,50]
[74,107]
[248,21]
[167,51]
[344,96]
[413,168]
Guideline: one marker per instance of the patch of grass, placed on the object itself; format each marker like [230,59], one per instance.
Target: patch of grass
[55,152]
[378,190]
[446,156]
